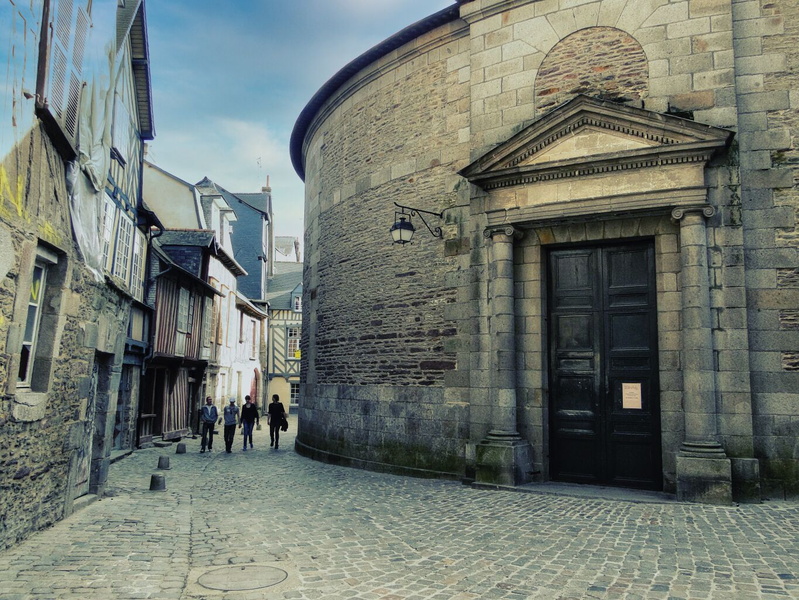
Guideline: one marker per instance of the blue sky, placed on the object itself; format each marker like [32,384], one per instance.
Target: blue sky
[230,79]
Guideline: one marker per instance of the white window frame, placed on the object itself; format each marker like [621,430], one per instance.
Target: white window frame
[31,333]
[293,342]
[109,220]
[137,264]
[124,245]
[182,321]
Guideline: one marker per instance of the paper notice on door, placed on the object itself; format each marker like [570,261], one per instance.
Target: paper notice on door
[631,395]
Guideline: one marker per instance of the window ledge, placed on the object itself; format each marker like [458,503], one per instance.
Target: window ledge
[29,406]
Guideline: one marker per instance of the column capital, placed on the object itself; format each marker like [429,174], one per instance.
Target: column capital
[508,230]
[705,210]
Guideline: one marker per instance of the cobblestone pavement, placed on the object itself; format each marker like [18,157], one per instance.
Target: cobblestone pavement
[272,525]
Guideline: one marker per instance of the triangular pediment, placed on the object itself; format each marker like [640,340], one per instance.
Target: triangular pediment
[586,136]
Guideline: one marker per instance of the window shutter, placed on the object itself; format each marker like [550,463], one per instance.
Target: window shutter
[64,83]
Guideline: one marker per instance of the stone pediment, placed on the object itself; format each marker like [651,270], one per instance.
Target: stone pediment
[587,137]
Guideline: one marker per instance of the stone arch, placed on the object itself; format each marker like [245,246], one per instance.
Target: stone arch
[603,62]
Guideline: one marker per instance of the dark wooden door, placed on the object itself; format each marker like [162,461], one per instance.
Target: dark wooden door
[604,395]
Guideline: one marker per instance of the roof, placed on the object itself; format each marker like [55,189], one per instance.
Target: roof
[451,13]
[287,246]
[287,278]
[187,237]
[175,267]
[260,202]
[244,304]
[132,20]
[203,238]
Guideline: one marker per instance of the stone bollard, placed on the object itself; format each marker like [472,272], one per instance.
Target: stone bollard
[181,448]
[163,462]
[157,483]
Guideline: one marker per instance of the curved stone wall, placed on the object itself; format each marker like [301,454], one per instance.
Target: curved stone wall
[399,351]
[378,339]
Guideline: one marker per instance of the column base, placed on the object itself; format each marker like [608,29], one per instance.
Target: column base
[504,458]
[704,474]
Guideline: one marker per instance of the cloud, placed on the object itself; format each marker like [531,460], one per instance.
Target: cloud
[229,83]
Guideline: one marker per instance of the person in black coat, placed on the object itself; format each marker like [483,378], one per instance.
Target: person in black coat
[275,415]
[249,417]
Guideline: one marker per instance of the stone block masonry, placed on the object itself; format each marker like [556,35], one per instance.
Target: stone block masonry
[403,127]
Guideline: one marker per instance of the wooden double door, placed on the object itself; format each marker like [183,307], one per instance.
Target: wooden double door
[603,366]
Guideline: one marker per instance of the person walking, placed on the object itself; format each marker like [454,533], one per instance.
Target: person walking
[249,417]
[275,415]
[231,416]
[208,416]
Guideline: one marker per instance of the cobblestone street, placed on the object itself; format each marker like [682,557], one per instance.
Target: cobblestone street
[271,524]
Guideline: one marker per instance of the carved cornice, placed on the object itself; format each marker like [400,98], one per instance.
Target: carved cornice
[598,123]
[646,159]
[657,140]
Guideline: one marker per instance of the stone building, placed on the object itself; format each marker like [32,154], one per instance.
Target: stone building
[613,299]
[200,220]
[73,244]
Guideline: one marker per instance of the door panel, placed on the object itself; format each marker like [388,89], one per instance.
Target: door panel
[605,415]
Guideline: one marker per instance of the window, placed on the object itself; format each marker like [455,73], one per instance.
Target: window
[40,337]
[293,342]
[183,321]
[297,301]
[137,265]
[208,309]
[121,131]
[254,339]
[124,245]
[295,393]
[32,322]
[109,220]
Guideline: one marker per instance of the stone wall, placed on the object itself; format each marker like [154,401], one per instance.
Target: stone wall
[379,317]
[767,79]
[395,135]
[44,430]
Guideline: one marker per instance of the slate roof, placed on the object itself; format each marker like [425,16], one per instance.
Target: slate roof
[200,238]
[287,246]
[165,257]
[247,235]
[287,278]
[186,237]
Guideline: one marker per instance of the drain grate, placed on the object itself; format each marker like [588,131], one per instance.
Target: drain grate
[242,578]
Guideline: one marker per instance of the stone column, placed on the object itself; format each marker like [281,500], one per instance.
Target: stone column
[503,457]
[703,469]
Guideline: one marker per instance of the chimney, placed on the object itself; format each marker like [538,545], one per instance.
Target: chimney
[268,188]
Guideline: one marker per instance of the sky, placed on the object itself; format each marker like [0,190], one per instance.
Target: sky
[229,80]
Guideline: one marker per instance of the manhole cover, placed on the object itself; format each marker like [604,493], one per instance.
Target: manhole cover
[246,577]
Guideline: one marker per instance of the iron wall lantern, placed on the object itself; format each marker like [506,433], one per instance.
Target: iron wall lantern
[402,230]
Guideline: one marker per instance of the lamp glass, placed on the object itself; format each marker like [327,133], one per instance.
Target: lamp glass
[402,231]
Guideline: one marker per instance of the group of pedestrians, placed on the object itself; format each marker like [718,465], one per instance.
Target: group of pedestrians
[247,418]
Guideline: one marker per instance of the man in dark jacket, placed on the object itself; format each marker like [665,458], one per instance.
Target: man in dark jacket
[231,414]
[208,417]
[275,417]
[249,417]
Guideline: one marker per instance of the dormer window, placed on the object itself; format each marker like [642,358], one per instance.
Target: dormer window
[296,303]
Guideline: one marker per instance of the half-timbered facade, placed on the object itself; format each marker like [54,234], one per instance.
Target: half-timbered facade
[172,387]
[285,328]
